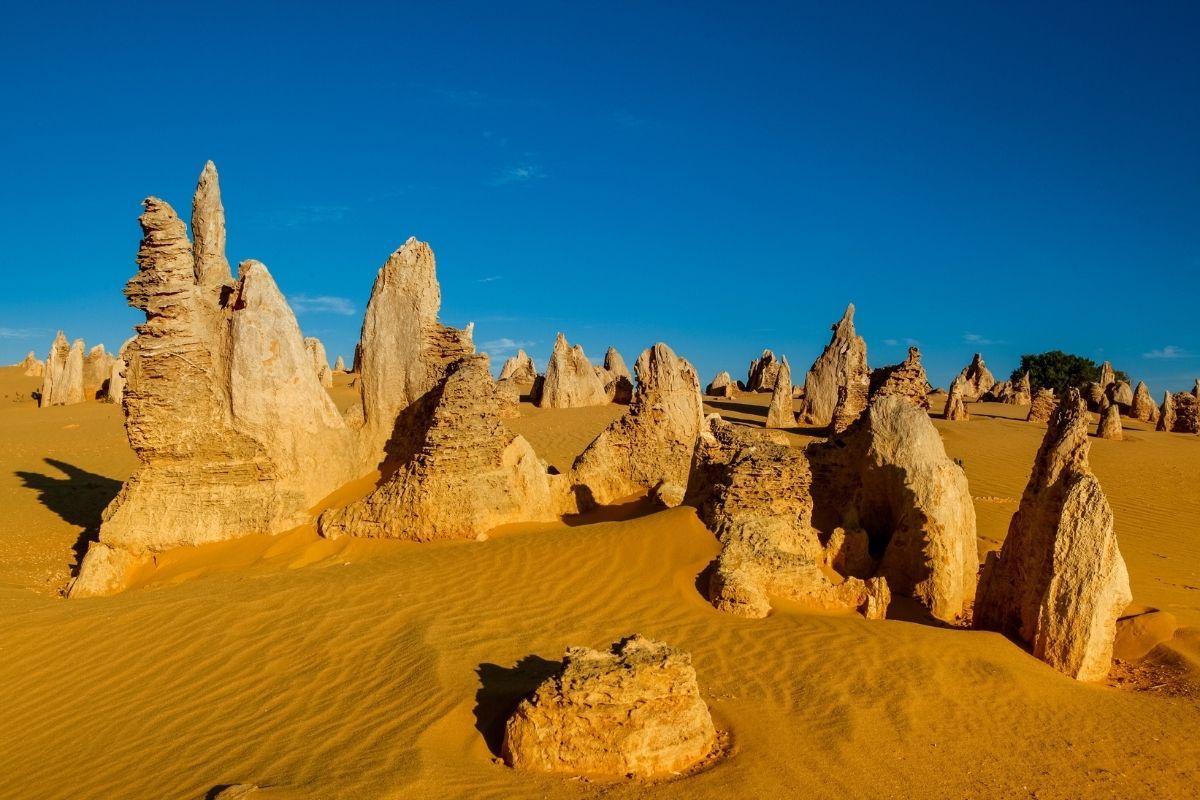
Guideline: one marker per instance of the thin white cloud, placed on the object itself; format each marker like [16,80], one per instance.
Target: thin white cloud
[489,279]
[975,338]
[519,173]
[891,342]
[21,333]
[321,304]
[908,342]
[1169,351]
[504,345]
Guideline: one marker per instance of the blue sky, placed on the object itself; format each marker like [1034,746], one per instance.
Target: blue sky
[724,177]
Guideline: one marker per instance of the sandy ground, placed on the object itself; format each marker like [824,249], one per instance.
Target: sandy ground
[367,669]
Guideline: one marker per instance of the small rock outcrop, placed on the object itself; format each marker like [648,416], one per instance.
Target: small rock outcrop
[1110,423]
[1021,393]
[906,380]
[722,386]
[1001,392]
[1166,414]
[841,369]
[654,442]
[780,413]
[62,379]
[339,365]
[97,366]
[1142,408]
[634,710]
[762,373]
[956,406]
[978,380]
[320,361]
[1121,394]
[1187,413]
[570,380]
[114,389]
[519,368]
[618,383]
[467,474]
[1107,375]
[31,366]
[1059,582]
[1042,406]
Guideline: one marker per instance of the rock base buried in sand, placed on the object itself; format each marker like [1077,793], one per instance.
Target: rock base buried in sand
[634,711]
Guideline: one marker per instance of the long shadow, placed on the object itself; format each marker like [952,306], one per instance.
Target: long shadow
[743,408]
[618,512]
[79,498]
[501,689]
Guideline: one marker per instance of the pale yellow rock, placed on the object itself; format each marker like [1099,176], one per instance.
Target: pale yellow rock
[31,366]
[1110,423]
[956,406]
[97,366]
[208,232]
[320,361]
[1021,393]
[763,373]
[654,442]
[780,413]
[906,380]
[618,383]
[1166,414]
[1042,406]
[1059,582]
[1121,394]
[633,711]
[978,379]
[339,365]
[62,379]
[115,386]
[1107,376]
[1142,408]
[570,380]
[519,368]
[722,386]
[468,473]
[841,366]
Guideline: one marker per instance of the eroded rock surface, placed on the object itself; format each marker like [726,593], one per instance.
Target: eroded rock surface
[1187,413]
[722,386]
[1059,582]
[1142,408]
[1022,392]
[320,361]
[1166,414]
[762,373]
[956,406]
[779,412]
[519,368]
[840,371]
[31,366]
[906,380]
[1110,423]
[570,380]
[634,710]
[618,383]
[62,379]
[978,379]
[1042,406]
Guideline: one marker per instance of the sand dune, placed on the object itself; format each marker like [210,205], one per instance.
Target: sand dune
[362,668]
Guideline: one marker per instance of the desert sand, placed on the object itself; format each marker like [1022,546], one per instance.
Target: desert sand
[375,668]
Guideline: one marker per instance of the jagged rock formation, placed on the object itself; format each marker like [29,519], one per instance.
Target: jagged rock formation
[1000,392]
[1187,413]
[1042,406]
[114,388]
[1121,394]
[97,365]
[1110,423]
[618,383]
[906,379]
[468,472]
[1166,415]
[890,475]
[339,365]
[404,349]
[763,373]
[234,432]
[31,366]
[1021,393]
[1142,408]
[956,406]
[780,413]
[211,267]
[653,444]
[570,381]
[519,368]
[722,386]
[978,380]
[1107,376]
[842,365]
[62,380]
[1059,582]
[753,493]
[320,361]
[635,710]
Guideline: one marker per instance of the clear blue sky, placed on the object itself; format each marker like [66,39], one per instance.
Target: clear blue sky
[1006,177]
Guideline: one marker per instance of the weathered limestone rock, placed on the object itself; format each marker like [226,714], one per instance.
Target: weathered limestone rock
[1121,394]
[1196,389]
[618,383]
[208,232]
[114,389]
[654,443]
[780,413]
[234,432]
[1142,407]
[31,366]
[754,495]
[519,368]
[1021,393]
[1107,376]
[843,363]
[570,380]
[62,381]
[762,373]
[404,349]
[635,710]
[1187,413]
[890,475]
[1166,415]
[339,365]
[1094,394]
[1059,582]
[956,407]
[1042,406]
[320,361]
[906,379]
[1110,423]
[467,474]
[978,380]
[97,365]
[356,365]
[722,386]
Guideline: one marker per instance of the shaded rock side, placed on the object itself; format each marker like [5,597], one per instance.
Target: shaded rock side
[618,383]
[842,365]
[779,412]
[320,361]
[1187,413]
[634,710]
[1021,393]
[654,442]
[978,379]
[763,373]
[570,380]
[62,379]
[722,386]
[1059,582]
[1166,414]
[404,350]
[468,474]
[97,366]
[1042,406]
[519,368]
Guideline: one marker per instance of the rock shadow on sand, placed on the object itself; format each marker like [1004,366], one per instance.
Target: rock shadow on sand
[501,689]
[79,499]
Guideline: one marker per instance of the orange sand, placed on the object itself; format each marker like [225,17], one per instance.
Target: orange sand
[368,669]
